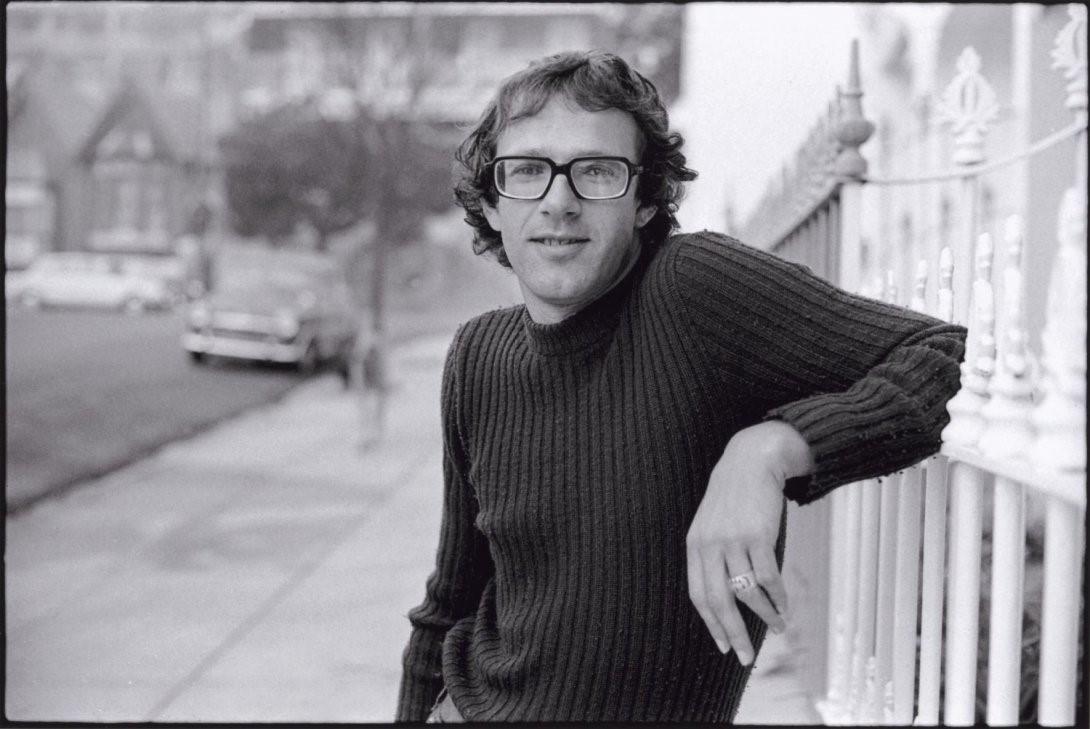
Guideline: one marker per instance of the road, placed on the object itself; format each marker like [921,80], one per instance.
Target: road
[88,391]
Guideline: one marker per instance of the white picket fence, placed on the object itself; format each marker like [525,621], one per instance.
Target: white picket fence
[907,554]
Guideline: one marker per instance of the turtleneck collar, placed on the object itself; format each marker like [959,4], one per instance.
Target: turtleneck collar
[589,325]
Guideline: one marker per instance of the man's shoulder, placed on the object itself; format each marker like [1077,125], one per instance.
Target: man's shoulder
[711,245]
[474,333]
[690,262]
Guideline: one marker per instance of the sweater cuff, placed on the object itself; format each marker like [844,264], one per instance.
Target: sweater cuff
[847,446]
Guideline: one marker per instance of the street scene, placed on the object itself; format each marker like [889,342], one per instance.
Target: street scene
[234,268]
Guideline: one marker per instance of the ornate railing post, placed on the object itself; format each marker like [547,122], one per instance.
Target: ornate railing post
[966,423]
[969,106]
[1007,434]
[966,503]
[934,539]
[900,687]
[1006,414]
[1060,419]
[852,130]
[849,646]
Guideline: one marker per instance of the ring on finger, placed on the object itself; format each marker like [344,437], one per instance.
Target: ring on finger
[743,584]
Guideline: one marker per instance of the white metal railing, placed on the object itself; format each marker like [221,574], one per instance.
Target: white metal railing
[914,546]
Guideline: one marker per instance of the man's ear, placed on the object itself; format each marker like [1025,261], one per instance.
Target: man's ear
[644,215]
[491,215]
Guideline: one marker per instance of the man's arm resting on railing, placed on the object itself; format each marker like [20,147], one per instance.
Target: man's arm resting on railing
[888,420]
[861,384]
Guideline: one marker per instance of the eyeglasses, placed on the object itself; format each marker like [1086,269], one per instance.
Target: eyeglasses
[591,178]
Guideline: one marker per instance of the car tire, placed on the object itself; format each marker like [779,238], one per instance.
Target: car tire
[133,305]
[342,365]
[309,361]
[30,300]
[197,357]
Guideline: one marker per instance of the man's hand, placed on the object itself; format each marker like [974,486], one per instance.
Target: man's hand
[735,528]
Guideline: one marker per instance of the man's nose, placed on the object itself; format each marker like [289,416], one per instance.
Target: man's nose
[559,199]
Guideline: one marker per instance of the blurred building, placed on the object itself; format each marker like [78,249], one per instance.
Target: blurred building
[47,120]
[115,108]
[147,168]
[449,56]
[113,112]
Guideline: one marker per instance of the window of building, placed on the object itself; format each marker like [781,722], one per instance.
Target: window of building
[89,21]
[23,19]
[28,223]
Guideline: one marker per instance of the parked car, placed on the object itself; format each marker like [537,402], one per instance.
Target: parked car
[80,278]
[169,269]
[290,307]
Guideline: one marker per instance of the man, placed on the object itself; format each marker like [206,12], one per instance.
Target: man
[617,450]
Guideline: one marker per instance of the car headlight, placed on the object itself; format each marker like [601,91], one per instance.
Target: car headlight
[199,316]
[286,324]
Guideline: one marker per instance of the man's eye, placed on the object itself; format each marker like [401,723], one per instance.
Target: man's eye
[600,170]
[527,169]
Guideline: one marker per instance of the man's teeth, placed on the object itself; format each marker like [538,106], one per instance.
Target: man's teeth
[559,241]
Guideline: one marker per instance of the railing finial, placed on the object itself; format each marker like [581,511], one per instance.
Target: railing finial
[984,308]
[889,291]
[852,128]
[1008,433]
[919,290]
[969,105]
[1069,54]
[966,424]
[1060,418]
[944,308]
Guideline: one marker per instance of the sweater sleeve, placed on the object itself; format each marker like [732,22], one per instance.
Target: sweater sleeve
[865,382]
[462,564]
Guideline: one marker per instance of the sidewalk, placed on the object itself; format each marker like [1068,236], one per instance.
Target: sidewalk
[258,572]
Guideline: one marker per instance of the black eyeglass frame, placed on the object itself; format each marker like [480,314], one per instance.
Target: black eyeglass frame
[565,169]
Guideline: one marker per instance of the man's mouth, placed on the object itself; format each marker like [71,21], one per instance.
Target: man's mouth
[557,241]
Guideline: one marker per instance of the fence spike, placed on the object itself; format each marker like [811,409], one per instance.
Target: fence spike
[983,295]
[889,290]
[945,297]
[966,423]
[1007,431]
[852,128]
[920,288]
[1069,54]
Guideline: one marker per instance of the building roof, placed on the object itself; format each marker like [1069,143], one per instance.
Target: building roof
[45,96]
[408,9]
[174,121]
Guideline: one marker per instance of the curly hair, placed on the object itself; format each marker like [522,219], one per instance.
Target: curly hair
[596,81]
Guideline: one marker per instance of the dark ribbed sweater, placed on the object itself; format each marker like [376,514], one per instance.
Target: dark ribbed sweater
[577,453]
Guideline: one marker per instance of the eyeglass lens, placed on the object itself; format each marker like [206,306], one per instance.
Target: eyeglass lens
[592,178]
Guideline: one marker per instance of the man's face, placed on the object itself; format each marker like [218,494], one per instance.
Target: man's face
[567,252]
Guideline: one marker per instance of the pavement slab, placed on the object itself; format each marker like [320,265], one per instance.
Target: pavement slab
[261,571]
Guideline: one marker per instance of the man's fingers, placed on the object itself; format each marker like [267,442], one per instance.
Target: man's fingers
[699,597]
[721,597]
[752,595]
[769,577]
